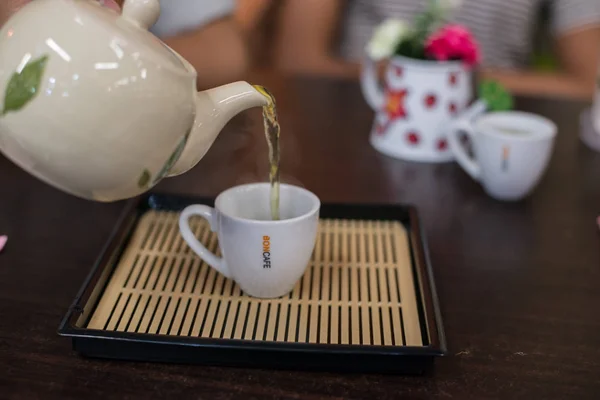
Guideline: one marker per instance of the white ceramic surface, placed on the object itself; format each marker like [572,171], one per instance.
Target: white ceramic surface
[596,107]
[97,106]
[512,151]
[414,107]
[265,257]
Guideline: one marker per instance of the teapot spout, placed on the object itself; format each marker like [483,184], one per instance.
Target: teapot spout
[214,108]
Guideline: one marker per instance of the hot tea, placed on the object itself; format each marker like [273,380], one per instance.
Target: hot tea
[272,130]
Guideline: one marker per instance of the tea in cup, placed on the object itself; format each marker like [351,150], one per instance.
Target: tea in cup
[265,257]
[512,150]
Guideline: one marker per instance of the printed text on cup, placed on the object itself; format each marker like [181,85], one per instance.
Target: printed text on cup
[266,252]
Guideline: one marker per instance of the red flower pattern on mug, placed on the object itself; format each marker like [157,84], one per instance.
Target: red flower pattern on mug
[453,78]
[398,71]
[442,144]
[430,101]
[452,107]
[394,106]
[413,138]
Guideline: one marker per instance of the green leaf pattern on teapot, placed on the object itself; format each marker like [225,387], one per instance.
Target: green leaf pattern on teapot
[172,159]
[23,86]
[145,177]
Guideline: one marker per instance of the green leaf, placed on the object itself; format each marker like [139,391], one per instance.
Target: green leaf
[495,95]
[144,179]
[24,86]
[172,159]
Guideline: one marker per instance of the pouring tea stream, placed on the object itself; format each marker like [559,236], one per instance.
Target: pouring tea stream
[97,106]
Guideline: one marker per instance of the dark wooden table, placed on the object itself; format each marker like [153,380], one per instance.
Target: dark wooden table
[519,284]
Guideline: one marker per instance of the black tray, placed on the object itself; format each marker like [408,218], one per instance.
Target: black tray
[247,353]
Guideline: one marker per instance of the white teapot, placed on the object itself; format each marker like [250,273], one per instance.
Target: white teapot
[94,104]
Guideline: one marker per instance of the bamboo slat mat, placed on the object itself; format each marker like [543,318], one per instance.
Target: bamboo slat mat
[358,289]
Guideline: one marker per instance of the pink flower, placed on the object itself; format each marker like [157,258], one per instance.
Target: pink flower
[453,42]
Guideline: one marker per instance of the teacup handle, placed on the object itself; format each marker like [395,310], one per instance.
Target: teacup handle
[209,214]
[466,162]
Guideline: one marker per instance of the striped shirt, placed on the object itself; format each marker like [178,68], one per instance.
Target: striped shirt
[503,28]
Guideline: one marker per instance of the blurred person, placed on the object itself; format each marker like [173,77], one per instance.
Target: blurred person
[257,19]
[206,34]
[202,31]
[329,37]
[250,13]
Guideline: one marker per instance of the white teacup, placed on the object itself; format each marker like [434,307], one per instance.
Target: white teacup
[512,151]
[265,257]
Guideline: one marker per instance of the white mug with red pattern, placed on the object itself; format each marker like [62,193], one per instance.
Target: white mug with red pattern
[415,105]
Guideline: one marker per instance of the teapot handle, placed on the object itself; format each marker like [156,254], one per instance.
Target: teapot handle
[370,85]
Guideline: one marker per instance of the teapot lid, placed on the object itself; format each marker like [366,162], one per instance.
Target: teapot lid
[132,25]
